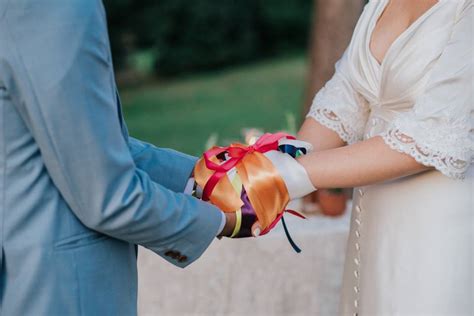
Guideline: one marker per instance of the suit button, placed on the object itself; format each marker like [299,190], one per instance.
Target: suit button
[183,259]
[173,254]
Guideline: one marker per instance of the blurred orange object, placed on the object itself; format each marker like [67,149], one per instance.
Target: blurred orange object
[332,202]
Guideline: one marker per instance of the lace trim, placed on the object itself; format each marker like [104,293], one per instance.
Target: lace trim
[448,165]
[450,136]
[339,108]
[330,120]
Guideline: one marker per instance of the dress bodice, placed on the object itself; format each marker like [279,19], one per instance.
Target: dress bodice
[405,232]
[394,85]
[419,98]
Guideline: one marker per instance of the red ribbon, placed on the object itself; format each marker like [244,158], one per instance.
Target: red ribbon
[277,219]
[236,153]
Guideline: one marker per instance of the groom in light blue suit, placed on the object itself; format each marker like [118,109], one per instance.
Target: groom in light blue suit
[77,194]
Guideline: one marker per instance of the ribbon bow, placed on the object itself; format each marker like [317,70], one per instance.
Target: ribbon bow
[264,186]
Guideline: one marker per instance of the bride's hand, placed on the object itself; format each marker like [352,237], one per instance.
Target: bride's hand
[264,183]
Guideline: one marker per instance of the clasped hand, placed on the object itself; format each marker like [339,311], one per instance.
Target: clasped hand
[252,185]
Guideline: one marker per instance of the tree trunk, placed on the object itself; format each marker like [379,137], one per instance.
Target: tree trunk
[333,24]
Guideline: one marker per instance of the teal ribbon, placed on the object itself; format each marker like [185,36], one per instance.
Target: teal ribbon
[291,150]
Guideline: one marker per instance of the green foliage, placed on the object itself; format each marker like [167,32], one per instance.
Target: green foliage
[286,24]
[186,114]
[119,26]
[186,36]
[204,34]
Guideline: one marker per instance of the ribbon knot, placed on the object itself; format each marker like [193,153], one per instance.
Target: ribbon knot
[256,172]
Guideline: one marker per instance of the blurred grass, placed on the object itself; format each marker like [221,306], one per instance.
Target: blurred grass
[183,114]
[143,61]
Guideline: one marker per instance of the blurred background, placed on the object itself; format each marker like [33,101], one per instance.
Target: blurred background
[193,74]
[202,72]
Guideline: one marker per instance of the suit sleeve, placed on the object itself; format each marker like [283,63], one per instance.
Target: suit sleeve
[62,84]
[167,167]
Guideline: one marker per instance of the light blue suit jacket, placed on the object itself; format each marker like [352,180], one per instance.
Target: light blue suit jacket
[76,193]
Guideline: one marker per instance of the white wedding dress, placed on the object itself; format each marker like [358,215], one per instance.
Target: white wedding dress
[411,244]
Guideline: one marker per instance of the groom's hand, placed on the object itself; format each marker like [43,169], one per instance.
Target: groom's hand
[229,225]
[230,218]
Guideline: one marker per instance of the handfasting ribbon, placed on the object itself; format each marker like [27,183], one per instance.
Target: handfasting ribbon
[287,233]
[237,184]
[223,196]
[238,223]
[293,151]
[264,186]
[259,177]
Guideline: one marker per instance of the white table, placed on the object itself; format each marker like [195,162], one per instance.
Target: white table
[261,276]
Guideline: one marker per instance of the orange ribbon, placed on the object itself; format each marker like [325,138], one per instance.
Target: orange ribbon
[265,188]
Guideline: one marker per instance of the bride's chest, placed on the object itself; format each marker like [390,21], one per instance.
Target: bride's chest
[405,69]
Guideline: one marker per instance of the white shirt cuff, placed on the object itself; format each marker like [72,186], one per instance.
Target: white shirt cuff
[188,189]
[221,227]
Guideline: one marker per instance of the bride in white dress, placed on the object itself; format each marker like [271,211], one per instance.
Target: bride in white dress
[396,121]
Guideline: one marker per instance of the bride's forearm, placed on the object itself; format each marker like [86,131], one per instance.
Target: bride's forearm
[360,164]
[319,136]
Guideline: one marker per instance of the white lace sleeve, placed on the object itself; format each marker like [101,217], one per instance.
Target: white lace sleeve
[439,132]
[339,107]
[445,146]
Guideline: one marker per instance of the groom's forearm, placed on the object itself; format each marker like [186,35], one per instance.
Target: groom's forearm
[167,167]
[172,169]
